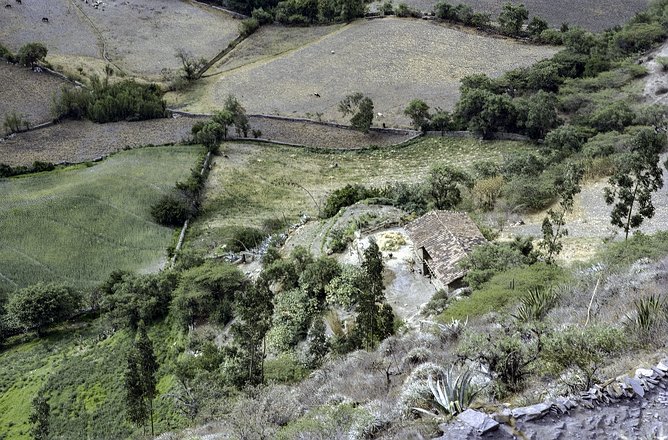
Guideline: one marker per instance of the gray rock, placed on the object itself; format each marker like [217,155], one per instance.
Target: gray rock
[637,386]
[531,412]
[479,421]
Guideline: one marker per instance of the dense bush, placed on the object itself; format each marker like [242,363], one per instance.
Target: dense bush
[346,196]
[529,193]
[7,54]
[104,102]
[29,54]
[41,305]
[37,167]
[171,210]
[243,238]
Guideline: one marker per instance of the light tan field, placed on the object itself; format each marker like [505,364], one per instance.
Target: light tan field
[390,60]
[139,37]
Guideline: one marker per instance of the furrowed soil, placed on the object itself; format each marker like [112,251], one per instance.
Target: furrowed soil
[592,15]
[27,93]
[391,60]
[80,141]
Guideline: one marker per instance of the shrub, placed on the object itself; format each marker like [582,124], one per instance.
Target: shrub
[487,260]
[241,238]
[638,37]
[125,100]
[7,54]
[614,116]
[248,26]
[529,194]
[636,247]
[29,54]
[452,395]
[171,210]
[536,304]
[586,349]
[284,369]
[15,123]
[262,16]
[343,197]
[41,305]
[551,36]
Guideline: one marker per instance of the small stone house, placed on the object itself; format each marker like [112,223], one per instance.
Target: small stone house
[440,240]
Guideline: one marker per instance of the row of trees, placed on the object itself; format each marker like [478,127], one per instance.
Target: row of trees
[28,55]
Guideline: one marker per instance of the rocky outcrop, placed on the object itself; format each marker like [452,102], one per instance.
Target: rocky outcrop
[622,408]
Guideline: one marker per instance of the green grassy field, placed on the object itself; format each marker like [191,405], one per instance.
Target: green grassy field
[82,379]
[78,224]
[259,182]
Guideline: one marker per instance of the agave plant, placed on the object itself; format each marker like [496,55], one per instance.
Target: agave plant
[452,394]
[648,312]
[535,304]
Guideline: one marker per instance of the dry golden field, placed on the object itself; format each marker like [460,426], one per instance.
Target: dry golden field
[391,60]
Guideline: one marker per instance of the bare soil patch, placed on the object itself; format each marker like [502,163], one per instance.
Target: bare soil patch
[142,36]
[593,15]
[80,141]
[66,33]
[323,136]
[391,60]
[27,93]
[656,83]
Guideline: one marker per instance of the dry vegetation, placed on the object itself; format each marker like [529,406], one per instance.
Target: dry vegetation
[593,15]
[27,93]
[139,36]
[390,60]
[79,141]
[270,41]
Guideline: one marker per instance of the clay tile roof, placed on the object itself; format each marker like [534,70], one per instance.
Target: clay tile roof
[447,237]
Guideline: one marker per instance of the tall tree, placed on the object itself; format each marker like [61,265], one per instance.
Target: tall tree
[39,417]
[638,175]
[418,111]
[567,186]
[444,185]
[372,311]
[254,309]
[140,379]
[512,18]
[136,411]
[361,107]
[148,369]
[31,53]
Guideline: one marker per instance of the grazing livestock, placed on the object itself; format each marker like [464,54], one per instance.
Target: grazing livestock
[317,95]
[45,20]
[18,1]
[8,6]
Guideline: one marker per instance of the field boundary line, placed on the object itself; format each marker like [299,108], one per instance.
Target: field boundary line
[230,12]
[182,235]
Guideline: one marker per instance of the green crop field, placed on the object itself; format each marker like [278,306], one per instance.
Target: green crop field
[78,224]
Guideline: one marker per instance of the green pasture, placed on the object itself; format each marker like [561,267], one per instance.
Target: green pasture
[78,224]
[257,183]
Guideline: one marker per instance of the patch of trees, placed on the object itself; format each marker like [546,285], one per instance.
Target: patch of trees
[361,109]
[212,133]
[442,189]
[36,167]
[104,102]
[183,202]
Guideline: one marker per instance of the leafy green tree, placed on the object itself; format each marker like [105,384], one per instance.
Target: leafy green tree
[316,343]
[41,305]
[372,312]
[148,369]
[238,116]
[418,111]
[135,407]
[567,186]
[484,112]
[213,133]
[444,183]
[512,18]
[441,120]
[39,417]
[564,141]
[614,116]
[536,26]
[254,309]
[31,53]
[638,175]
[539,114]
[361,107]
